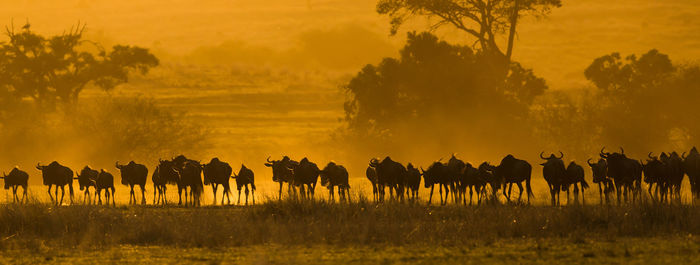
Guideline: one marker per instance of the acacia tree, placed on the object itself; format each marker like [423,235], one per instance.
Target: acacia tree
[57,68]
[483,20]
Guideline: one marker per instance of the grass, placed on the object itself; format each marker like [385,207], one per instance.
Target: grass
[359,223]
[360,232]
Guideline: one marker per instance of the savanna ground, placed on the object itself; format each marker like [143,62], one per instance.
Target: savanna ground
[360,232]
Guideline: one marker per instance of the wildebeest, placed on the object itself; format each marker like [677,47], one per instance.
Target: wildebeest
[216,173]
[575,176]
[57,175]
[371,174]
[105,181]
[674,167]
[471,179]
[412,181]
[86,179]
[691,166]
[435,174]
[281,172]
[554,173]
[336,175]
[191,177]
[600,177]
[655,176]
[455,166]
[513,170]
[486,175]
[244,178]
[389,174]
[134,174]
[164,174]
[625,172]
[305,173]
[16,178]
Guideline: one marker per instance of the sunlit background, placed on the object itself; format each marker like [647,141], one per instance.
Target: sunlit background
[267,78]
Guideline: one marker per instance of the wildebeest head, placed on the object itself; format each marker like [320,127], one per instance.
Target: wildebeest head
[281,169]
[167,172]
[552,158]
[486,173]
[600,170]
[87,177]
[329,171]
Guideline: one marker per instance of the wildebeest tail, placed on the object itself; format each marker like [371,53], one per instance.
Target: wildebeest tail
[252,185]
[584,184]
[528,188]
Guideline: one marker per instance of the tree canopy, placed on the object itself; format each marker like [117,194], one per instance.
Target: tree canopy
[57,68]
[483,20]
[432,83]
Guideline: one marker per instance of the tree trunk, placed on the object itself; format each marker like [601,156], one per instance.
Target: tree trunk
[511,35]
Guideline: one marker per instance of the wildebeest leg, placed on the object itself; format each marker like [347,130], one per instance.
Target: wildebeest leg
[374,191]
[330,193]
[430,197]
[179,195]
[114,203]
[132,194]
[63,193]
[252,193]
[99,196]
[50,196]
[143,194]
[246,194]
[280,195]
[600,192]
[213,190]
[470,195]
[440,191]
[510,188]
[165,197]
[239,196]
[553,194]
[520,187]
[447,193]
[575,193]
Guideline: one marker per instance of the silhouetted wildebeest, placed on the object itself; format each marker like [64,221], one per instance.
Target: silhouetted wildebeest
[471,179]
[655,176]
[600,177]
[513,170]
[244,178]
[371,174]
[674,167]
[86,179]
[455,167]
[691,167]
[57,175]
[105,181]
[575,176]
[412,182]
[281,172]
[625,172]
[218,173]
[389,174]
[554,172]
[305,173]
[191,177]
[336,175]
[134,174]
[486,174]
[436,174]
[164,174]
[16,178]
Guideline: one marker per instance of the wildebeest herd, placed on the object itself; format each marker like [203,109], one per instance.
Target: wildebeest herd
[614,173]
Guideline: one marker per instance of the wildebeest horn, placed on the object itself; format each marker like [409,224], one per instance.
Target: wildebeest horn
[268,160]
[589,162]
[422,171]
[683,155]
[38,166]
[541,155]
[602,153]
[622,150]
[116,164]
[561,155]
[649,155]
